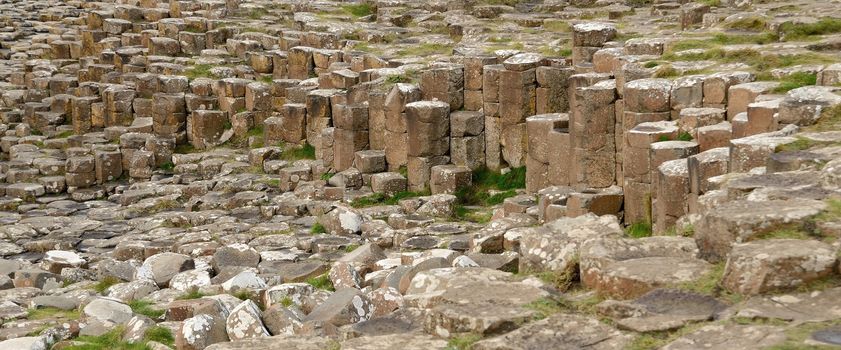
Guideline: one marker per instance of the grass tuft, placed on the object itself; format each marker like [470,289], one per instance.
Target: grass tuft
[801,31]
[145,308]
[639,230]
[463,341]
[306,151]
[796,80]
[382,199]
[321,282]
[318,228]
[192,294]
[106,282]
[359,10]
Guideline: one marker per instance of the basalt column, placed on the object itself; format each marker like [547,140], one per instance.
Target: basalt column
[428,129]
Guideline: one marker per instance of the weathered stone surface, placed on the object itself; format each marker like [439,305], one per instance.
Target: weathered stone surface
[744,221]
[777,264]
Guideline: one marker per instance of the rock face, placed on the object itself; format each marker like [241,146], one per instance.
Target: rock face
[567,331]
[419,174]
[742,221]
[777,264]
[627,268]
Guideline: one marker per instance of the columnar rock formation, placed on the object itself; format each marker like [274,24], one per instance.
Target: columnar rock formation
[419,174]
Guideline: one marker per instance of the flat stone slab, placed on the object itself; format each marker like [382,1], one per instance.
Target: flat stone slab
[817,306]
[560,331]
[727,337]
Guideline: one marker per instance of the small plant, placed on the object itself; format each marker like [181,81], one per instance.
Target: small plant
[710,284]
[52,313]
[639,230]
[755,24]
[286,302]
[168,166]
[193,293]
[351,247]
[397,78]
[463,341]
[64,134]
[321,282]
[799,31]
[382,199]
[161,335]
[327,176]
[684,136]
[318,228]
[105,283]
[546,307]
[306,151]
[145,308]
[463,213]
[199,71]
[244,294]
[359,10]
[113,340]
[426,49]
[796,80]
[562,280]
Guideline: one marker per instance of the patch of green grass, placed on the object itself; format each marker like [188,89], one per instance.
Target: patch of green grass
[710,284]
[397,78]
[321,282]
[800,144]
[108,341]
[711,3]
[557,26]
[359,10]
[161,335]
[318,228]
[562,280]
[244,294]
[824,26]
[113,340]
[199,71]
[64,134]
[796,80]
[351,247]
[754,24]
[639,230]
[462,213]
[168,166]
[514,179]
[306,151]
[145,308]
[759,62]
[545,307]
[382,199]
[105,283]
[463,341]
[52,313]
[425,49]
[785,233]
[192,294]
[286,301]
